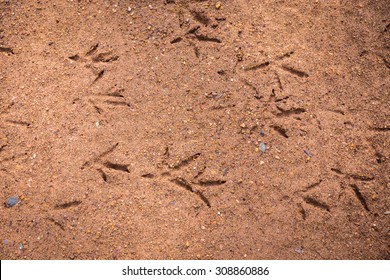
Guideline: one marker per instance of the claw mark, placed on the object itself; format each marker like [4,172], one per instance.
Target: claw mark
[294,71]
[380,129]
[96,159]
[206,183]
[278,81]
[117,166]
[118,103]
[386,63]
[302,211]
[18,122]
[67,204]
[335,170]
[105,57]
[182,183]
[257,94]
[258,66]
[193,30]
[148,175]
[6,50]
[280,130]
[99,75]
[203,198]
[177,40]
[116,93]
[57,223]
[316,203]
[312,186]
[186,185]
[92,49]
[286,113]
[2,147]
[75,57]
[200,17]
[361,177]
[186,161]
[207,39]
[284,55]
[104,175]
[360,196]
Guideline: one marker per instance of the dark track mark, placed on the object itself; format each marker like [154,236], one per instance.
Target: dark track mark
[89,162]
[207,39]
[99,76]
[60,225]
[98,109]
[380,129]
[67,204]
[117,103]
[316,203]
[186,161]
[18,122]
[360,197]
[312,186]
[182,183]
[335,170]
[117,166]
[206,183]
[280,130]
[303,212]
[103,174]
[193,30]
[92,49]
[258,66]
[200,17]
[148,175]
[116,93]
[286,113]
[203,198]
[284,55]
[105,57]
[6,50]
[294,71]
[196,51]
[361,177]
[186,185]
[257,94]
[74,57]
[177,40]
[279,82]
[379,157]
[387,63]
[2,147]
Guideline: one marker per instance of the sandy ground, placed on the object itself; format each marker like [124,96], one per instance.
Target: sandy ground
[200,129]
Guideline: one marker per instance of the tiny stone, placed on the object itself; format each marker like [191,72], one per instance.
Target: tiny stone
[218,5]
[6,242]
[262,147]
[12,201]
[20,246]
[262,133]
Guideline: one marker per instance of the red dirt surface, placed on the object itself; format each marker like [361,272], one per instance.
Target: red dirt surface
[132,129]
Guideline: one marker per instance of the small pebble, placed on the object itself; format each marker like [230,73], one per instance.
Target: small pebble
[6,242]
[262,133]
[262,147]
[12,201]
[387,213]
[218,5]
[20,246]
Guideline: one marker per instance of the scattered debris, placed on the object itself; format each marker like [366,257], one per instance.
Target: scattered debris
[300,250]
[308,153]
[12,201]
